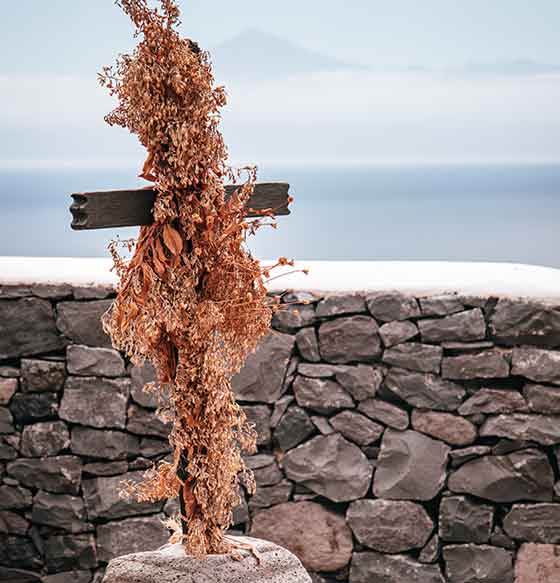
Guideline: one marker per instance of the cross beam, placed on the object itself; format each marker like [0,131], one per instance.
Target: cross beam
[130,208]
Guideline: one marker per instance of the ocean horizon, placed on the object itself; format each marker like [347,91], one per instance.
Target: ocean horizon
[457,212]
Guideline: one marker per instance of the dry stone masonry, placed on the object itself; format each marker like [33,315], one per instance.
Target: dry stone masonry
[401,439]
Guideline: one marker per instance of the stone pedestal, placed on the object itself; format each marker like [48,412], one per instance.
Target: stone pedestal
[171,564]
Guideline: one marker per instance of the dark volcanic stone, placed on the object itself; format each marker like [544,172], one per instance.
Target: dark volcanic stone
[543,429]
[14,498]
[361,381]
[385,413]
[21,576]
[88,361]
[537,564]
[31,407]
[322,540]
[542,399]
[463,327]
[440,305]
[153,447]
[64,552]
[539,523]
[308,344]
[478,564]
[6,421]
[411,466]
[356,427]
[140,376]
[259,416]
[415,356]
[322,424]
[339,305]
[28,328]
[294,427]
[372,567]
[95,402]
[352,339]
[489,401]
[44,439]
[18,552]
[515,322]
[463,521]
[330,466]
[467,454]
[318,371]
[98,443]
[321,395]
[262,377]
[81,322]
[535,364]
[388,306]
[280,407]
[132,535]
[59,511]
[12,523]
[42,375]
[105,468]
[8,386]
[102,499]
[145,422]
[70,577]
[445,426]
[397,332]
[491,364]
[61,475]
[523,475]
[268,496]
[290,318]
[425,390]
[389,526]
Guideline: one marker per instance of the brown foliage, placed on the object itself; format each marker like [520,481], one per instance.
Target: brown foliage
[192,299]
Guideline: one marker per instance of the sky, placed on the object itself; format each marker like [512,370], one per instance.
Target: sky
[420,94]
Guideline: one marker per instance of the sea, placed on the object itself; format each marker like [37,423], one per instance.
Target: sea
[456,212]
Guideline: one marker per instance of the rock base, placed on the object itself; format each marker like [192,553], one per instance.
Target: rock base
[171,564]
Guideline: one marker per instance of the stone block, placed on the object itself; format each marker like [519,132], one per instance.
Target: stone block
[19,552]
[385,413]
[60,475]
[268,496]
[145,422]
[536,523]
[321,395]
[14,498]
[6,421]
[362,381]
[393,305]
[370,567]
[425,390]
[543,429]
[478,563]
[393,333]
[262,377]
[60,511]
[330,466]
[99,443]
[447,427]
[535,364]
[415,356]
[442,305]
[349,339]
[522,475]
[466,326]
[140,376]
[8,387]
[357,428]
[31,407]
[389,526]
[322,541]
[294,427]
[81,322]
[308,344]
[42,375]
[291,317]
[542,399]
[537,564]
[95,402]
[461,520]
[341,305]
[490,401]
[491,364]
[28,328]
[68,551]
[44,439]
[259,417]
[88,361]
[411,466]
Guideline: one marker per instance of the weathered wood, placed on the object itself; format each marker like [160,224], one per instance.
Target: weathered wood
[129,208]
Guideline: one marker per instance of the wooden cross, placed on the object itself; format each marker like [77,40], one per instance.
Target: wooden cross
[129,208]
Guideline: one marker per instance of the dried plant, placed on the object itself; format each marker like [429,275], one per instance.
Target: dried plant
[192,300]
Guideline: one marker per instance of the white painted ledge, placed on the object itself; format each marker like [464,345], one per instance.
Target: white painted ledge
[418,277]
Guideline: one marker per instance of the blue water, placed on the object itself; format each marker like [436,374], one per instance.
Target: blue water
[488,213]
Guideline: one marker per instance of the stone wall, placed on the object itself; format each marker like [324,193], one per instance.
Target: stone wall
[401,439]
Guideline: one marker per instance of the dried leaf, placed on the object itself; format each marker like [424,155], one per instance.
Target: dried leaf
[172,239]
